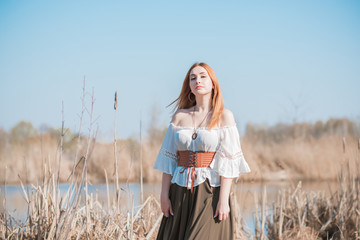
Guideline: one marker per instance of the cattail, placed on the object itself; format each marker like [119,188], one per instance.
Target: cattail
[115,104]
[344,145]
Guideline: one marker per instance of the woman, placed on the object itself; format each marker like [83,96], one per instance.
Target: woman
[199,157]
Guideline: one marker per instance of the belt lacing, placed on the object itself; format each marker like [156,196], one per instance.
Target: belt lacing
[190,160]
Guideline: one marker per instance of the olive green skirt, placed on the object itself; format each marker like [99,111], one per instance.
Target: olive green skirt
[194,215]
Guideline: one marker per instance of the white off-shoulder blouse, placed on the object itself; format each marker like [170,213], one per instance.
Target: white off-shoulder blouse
[228,160]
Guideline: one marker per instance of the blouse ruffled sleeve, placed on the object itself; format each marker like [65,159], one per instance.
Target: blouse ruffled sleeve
[229,159]
[167,158]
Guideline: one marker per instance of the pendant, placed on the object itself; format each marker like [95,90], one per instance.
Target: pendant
[194,136]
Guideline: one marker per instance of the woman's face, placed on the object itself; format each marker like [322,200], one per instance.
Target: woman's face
[200,82]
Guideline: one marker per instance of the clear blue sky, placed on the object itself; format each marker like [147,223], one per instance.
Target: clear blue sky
[266,54]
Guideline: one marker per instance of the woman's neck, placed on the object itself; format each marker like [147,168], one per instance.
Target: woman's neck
[203,103]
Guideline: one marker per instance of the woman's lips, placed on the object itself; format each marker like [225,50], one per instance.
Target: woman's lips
[198,87]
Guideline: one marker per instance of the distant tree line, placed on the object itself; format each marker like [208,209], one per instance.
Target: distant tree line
[24,132]
[282,131]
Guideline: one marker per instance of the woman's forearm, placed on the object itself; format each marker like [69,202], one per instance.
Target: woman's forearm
[225,189]
[223,208]
[165,203]
[165,185]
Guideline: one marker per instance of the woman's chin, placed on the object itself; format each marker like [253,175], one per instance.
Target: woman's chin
[201,92]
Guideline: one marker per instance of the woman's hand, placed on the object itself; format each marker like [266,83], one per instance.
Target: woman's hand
[166,206]
[222,210]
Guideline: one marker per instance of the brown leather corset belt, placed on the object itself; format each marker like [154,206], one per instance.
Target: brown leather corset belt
[191,160]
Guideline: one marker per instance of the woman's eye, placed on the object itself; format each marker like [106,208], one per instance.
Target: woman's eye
[192,78]
[203,76]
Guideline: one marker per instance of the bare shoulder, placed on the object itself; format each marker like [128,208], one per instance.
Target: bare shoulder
[179,115]
[227,118]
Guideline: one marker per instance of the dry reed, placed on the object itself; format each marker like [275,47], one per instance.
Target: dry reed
[301,215]
[76,214]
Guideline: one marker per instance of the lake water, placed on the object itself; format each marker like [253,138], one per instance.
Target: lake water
[245,193]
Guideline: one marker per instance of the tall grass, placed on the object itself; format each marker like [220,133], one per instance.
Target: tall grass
[302,215]
[76,214]
[90,219]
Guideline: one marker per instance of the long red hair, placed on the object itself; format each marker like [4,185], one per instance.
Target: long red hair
[187,98]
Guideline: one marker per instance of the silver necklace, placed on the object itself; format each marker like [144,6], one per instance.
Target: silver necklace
[194,135]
